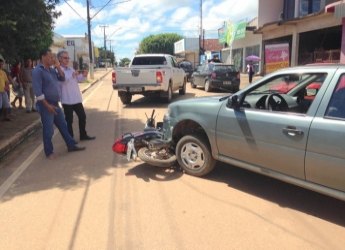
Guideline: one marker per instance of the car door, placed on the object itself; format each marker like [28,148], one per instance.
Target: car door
[197,75]
[325,156]
[178,73]
[270,140]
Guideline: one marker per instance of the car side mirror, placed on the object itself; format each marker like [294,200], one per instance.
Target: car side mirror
[234,102]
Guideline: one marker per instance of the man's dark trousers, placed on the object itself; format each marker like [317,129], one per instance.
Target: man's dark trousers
[79,110]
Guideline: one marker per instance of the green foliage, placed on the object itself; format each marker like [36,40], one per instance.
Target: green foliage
[161,43]
[26,27]
[106,55]
[124,62]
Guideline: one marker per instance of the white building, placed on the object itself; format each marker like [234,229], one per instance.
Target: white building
[78,47]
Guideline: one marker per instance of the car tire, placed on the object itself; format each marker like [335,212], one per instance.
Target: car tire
[192,83]
[182,90]
[168,95]
[194,156]
[125,97]
[207,86]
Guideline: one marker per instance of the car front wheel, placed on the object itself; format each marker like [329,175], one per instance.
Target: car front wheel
[194,155]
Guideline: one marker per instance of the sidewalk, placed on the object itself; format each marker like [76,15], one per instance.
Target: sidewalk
[24,124]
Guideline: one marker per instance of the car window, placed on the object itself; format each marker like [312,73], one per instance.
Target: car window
[224,68]
[336,106]
[173,62]
[292,93]
[149,60]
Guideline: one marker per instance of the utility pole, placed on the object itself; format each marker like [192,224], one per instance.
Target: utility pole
[89,38]
[201,49]
[110,40]
[105,43]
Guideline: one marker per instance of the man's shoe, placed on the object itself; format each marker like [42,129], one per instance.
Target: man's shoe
[75,148]
[87,138]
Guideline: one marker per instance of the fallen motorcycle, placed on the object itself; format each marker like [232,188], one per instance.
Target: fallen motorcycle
[148,145]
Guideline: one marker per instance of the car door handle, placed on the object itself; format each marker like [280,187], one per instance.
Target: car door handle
[292,131]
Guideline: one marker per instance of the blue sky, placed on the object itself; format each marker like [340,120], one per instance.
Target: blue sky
[129,21]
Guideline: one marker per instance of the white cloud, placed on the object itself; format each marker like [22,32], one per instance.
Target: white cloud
[129,22]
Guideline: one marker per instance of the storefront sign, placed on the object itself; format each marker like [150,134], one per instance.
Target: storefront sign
[231,32]
[276,57]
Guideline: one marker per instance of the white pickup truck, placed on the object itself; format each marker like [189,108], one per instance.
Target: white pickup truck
[148,75]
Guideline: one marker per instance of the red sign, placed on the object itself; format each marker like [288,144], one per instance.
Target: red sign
[276,57]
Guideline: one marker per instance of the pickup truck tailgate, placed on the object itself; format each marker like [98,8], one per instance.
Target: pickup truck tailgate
[134,76]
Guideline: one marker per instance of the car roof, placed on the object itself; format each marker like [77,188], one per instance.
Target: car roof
[144,55]
[318,66]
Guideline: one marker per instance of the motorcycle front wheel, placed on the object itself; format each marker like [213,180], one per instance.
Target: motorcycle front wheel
[159,158]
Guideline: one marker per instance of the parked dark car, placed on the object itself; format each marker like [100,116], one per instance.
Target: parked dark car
[216,76]
[187,66]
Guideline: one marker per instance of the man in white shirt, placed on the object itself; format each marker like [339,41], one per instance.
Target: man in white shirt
[71,97]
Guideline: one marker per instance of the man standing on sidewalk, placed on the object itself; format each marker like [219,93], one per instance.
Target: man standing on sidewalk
[26,76]
[46,89]
[71,98]
[4,83]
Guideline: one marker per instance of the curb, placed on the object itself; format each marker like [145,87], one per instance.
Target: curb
[20,136]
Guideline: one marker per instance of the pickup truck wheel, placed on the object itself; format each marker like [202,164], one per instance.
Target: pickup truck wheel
[207,86]
[194,155]
[126,98]
[169,95]
[182,90]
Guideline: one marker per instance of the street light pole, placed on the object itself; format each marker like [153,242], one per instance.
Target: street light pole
[89,38]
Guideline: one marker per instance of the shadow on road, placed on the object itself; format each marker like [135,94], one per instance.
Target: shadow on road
[156,102]
[147,173]
[281,193]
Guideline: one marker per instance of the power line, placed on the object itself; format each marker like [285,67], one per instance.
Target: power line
[111,4]
[74,10]
[106,5]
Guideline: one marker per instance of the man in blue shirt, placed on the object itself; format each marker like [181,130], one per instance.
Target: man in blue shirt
[46,88]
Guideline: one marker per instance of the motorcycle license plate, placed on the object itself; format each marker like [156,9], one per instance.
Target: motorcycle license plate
[131,153]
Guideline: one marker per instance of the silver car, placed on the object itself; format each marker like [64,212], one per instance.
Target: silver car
[289,125]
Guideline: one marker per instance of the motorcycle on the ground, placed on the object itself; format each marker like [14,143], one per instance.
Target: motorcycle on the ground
[148,145]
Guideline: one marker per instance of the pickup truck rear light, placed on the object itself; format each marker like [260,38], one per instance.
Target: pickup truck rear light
[159,77]
[113,77]
[213,75]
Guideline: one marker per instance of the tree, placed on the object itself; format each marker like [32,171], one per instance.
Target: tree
[26,27]
[161,43]
[124,62]
[106,55]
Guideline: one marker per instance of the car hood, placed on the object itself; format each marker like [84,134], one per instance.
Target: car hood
[200,106]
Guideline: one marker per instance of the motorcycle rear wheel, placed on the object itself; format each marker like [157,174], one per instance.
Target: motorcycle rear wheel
[160,158]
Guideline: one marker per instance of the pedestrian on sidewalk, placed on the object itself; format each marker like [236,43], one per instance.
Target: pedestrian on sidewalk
[17,85]
[4,84]
[26,76]
[46,88]
[71,97]
[250,71]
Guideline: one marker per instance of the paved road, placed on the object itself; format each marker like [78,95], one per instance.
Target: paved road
[97,200]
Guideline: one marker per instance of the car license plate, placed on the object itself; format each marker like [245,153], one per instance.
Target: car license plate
[137,89]
[227,82]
